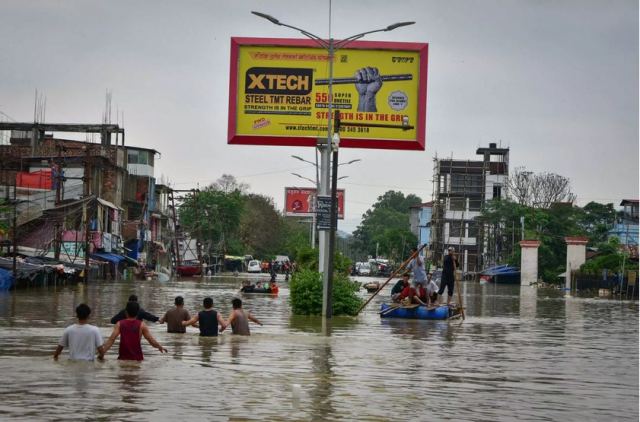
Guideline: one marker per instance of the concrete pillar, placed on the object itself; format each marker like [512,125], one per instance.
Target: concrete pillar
[529,262]
[576,255]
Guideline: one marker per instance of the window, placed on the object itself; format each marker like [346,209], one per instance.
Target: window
[475,204]
[457,204]
[138,157]
[466,183]
[497,192]
[456,229]
[473,230]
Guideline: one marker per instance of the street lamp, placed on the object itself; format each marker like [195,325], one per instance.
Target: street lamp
[313,164]
[327,240]
[350,162]
[302,177]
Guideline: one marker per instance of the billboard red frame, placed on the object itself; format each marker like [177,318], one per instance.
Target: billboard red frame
[234,138]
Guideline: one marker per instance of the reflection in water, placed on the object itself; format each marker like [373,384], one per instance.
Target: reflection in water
[130,376]
[6,301]
[83,376]
[322,389]
[542,356]
[528,302]
[236,343]
[208,345]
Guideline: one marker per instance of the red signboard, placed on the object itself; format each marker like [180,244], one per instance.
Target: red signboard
[41,179]
[299,202]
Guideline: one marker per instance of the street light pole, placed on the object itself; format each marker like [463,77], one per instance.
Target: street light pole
[324,260]
[317,183]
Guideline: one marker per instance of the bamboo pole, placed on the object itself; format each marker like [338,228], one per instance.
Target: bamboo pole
[401,267]
[457,281]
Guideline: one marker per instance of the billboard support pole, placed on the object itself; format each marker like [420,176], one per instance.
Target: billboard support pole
[313,222]
[325,259]
[327,277]
[325,161]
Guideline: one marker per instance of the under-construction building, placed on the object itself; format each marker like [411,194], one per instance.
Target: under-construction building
[460,188]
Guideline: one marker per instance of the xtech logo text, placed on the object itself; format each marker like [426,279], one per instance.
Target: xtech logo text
[278,80]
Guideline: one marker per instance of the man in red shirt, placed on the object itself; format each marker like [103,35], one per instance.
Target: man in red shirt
[410,295]
[130,331]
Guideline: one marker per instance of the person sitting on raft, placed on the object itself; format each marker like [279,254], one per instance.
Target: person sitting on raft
[432,291]
[247,287]
[396,291]
[410,296]
[421,294]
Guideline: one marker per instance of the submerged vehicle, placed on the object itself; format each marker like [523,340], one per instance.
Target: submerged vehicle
[501,274]
[189,269]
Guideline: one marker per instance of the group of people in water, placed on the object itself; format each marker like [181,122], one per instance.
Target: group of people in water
[424,290]
[83,339]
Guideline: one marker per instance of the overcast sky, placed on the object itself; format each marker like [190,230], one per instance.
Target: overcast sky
[556,81]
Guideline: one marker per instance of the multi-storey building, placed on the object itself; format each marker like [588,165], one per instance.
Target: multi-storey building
[626,227]
[460,188]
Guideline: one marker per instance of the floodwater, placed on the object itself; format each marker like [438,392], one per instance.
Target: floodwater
[521,353]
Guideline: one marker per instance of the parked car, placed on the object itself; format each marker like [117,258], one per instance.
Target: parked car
[254,266]
[363,269]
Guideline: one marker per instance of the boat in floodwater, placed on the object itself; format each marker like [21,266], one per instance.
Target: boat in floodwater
[419,312]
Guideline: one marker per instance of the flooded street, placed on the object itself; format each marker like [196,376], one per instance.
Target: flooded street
[528,355]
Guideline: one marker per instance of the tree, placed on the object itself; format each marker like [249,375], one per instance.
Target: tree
[538,190]
[597,219]
[213,217]
[228,183]
[261,226]
[385,226]
[295,237]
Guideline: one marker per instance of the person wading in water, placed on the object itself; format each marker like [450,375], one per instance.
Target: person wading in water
[239,319]
[207,320]
[131,331]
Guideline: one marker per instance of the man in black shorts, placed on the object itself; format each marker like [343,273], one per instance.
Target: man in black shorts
[449,265]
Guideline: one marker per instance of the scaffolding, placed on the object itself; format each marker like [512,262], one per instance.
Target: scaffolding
[460,189]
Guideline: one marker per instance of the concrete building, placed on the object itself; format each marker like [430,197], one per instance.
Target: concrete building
[626,228]
[461,187]
[73,194]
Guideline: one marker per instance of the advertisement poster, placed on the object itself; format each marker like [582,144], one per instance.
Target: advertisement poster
[279,93]
[299,202]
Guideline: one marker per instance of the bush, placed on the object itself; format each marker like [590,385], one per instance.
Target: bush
[306,294]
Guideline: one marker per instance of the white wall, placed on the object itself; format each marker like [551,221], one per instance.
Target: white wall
[528,266]
[576,256]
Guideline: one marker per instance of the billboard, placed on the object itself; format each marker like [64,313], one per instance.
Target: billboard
[279,93]
[299,202]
